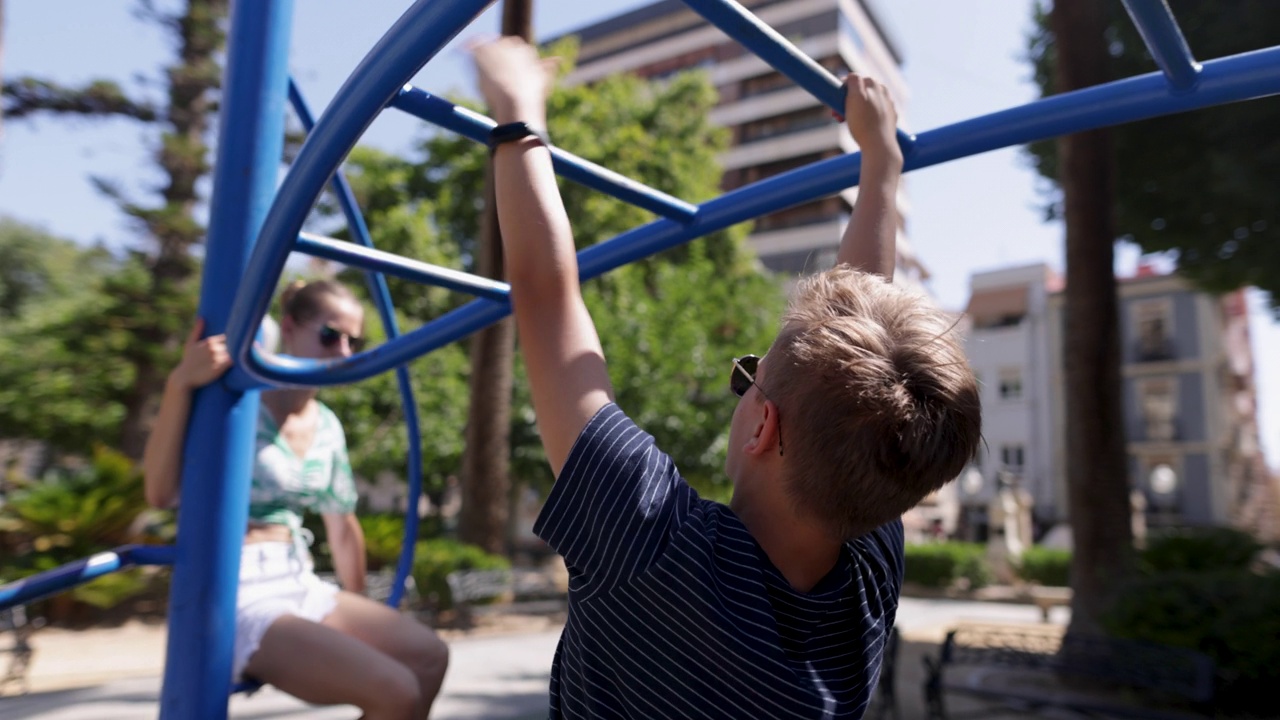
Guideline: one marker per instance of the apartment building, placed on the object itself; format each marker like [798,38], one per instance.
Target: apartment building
[1008,347]
[776,125]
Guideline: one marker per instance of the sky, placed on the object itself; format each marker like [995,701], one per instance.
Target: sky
[962,58]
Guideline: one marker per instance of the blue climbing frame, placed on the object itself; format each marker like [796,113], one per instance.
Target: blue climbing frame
[236,295]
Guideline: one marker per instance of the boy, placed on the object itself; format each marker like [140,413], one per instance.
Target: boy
[778,605]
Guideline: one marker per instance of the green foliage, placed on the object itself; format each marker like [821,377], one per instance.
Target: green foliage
[1045,566]
[72,514]
[1201,184]
[943,565]
[1206,549]
[433,561]
[1231,616]
[383,539]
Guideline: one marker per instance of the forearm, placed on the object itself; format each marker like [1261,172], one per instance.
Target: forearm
[346,543]
[162,457]
[870,240]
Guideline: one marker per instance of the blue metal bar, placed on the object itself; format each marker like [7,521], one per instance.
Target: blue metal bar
[437,110]
[79,572]
[219,445]
[742,25]
[1160,31]
[384,262]
[417,36]
[1231,79]
[381,294]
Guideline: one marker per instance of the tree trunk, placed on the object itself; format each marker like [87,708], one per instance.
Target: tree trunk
[1097,477]
[486,477]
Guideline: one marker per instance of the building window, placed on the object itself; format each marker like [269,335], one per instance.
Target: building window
[1162,483]
[1011,458]
[1158,403]
[793,122]
[1153,321]
[1010,384]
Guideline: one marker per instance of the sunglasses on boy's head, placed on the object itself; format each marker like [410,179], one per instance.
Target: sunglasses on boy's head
[330,337]
[744,374]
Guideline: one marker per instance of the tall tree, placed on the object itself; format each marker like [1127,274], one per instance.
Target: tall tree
[1097,477]
[486,466]
[154,304]
[1201,184]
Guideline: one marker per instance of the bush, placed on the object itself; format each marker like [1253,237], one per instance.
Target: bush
[1209,549]
[1045,566]
[1231,616]
[72,514]
[383,539]
[433,560]
[942,565]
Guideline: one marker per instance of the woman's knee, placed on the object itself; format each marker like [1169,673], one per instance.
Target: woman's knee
[397,693]
[431,659]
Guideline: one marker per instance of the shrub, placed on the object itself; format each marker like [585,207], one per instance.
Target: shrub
[433,560]
[383,539]
[1231,616]
[72,514]
[942,565]
[1045,566]
[1208,549]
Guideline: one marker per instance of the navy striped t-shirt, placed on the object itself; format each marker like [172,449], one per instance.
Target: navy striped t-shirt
[676,612]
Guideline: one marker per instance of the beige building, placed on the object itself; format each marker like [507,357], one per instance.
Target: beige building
[776,125]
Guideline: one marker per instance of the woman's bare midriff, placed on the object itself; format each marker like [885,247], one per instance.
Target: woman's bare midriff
[267,533]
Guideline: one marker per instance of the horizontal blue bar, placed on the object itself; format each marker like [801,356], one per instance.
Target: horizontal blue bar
[367,258]
[755,35]
[79,572]
[1160,31]
[1239,77]
[439,111]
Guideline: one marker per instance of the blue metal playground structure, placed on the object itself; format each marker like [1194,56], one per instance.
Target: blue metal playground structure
[255,225]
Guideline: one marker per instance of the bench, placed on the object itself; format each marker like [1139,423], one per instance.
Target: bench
[16,632]
[530,591]
[1030,671]
[1046,598]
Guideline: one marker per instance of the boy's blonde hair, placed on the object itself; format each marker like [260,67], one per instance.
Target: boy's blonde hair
[876,398]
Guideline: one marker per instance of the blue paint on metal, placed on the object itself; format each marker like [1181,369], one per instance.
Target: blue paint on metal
[219,448]
[1160,31]
[742,25]
[417,36]
[439,111]
[401,267]
[1235,78]
[381,295]
[79,572]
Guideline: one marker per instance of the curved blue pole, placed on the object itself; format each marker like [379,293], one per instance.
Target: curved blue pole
[381,295]
[1235,78]
[417,36]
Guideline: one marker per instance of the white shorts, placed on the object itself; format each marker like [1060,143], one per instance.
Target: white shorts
[276,578]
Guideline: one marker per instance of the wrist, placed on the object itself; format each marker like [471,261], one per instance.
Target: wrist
[176,382]
[534,113]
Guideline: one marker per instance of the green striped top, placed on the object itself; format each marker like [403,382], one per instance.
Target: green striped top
[285,485]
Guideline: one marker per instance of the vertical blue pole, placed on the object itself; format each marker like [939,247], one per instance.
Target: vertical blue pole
[220,437]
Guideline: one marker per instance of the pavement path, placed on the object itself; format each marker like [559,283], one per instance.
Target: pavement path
[503,676]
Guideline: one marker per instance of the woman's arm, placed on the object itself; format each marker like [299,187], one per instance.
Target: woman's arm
[346,543]
[203,361]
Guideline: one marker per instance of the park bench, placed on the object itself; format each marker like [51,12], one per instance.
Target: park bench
[516,590]
[1030,671]
[15,641]
[1046,598]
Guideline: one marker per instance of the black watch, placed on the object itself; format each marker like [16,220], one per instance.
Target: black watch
[510,132]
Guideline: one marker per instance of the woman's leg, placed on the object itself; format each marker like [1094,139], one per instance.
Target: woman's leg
[322,665]
[397,635]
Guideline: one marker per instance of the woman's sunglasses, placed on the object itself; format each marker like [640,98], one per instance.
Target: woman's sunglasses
[330,337]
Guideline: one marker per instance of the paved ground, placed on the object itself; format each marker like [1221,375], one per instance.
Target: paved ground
[114,674]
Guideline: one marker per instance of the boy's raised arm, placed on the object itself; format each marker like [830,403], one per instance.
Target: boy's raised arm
[567,373]
[870,240]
